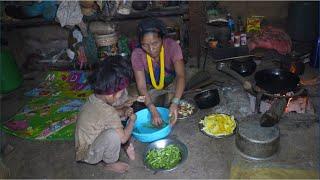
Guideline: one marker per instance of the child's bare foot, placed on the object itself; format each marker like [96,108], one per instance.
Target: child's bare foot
[118,167]
[130,151]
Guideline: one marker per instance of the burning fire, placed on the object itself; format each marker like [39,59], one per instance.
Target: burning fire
[287,107]
[293,68]
[298,104]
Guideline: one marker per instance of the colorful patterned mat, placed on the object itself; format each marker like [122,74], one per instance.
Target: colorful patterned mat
[52,111]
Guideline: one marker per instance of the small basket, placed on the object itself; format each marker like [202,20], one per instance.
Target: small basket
[106,40]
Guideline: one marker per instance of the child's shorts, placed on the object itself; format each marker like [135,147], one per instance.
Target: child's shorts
[106,147]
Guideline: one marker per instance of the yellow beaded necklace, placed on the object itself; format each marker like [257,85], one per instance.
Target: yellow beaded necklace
[151,73]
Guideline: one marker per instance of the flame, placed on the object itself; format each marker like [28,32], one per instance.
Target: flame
[293,68]
[286,109]
[298,104]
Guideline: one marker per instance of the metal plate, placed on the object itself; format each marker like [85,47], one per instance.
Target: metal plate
[193,104]
[218,137]
[162,143]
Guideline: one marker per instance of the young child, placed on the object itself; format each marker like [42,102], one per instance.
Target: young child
[99,131]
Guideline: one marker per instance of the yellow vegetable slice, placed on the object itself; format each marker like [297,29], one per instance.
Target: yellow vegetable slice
[218,124]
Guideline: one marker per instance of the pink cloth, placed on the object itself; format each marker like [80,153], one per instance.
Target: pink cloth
[17,125]
[271,38]
[172,53]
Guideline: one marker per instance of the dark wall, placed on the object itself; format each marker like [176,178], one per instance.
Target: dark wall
[24,41]
[44,39]
[275,12]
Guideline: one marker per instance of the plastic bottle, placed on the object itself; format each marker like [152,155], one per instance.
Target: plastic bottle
[232,35]
[231,26]
[240,27]
[240,30]
[237,39]
[243,39]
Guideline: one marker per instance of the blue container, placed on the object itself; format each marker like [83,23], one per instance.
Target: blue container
[143,129]
[33,10]
[47,9]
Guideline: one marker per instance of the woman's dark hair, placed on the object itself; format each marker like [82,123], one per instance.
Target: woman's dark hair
[151,25]
[111,74]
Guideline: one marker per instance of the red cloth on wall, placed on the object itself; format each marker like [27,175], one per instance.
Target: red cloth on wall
[271,38]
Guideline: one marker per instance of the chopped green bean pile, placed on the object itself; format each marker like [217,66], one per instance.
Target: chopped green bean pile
[164,158]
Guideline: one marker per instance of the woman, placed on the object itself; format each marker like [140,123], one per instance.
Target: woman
[158,62]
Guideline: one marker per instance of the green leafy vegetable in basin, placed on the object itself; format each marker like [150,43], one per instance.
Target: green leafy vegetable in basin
[164,158]
[149,127]
[152,126]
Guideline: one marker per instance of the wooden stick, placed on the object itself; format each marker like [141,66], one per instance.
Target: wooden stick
[273,115]
[236,57]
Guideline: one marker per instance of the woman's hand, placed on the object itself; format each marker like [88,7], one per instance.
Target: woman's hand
[156,119]
[173,113]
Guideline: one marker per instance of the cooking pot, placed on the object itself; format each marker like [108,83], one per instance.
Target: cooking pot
[255,142]
[243,67]
[277,80]
[294,67]
[173,3]
[293,63]
[139,5]
[207,98]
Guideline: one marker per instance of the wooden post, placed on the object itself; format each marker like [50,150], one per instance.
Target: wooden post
[197,17]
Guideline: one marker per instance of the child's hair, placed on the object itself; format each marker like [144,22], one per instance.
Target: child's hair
[112,75]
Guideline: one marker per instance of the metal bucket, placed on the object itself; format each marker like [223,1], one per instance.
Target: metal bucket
[256,142]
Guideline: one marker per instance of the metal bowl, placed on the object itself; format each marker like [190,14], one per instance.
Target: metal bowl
[222,136]
[192,103]
[207,98]
[162,143]
[244,67]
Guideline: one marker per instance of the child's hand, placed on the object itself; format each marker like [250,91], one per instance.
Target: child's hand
[128,112]
[129,102]
[133,117]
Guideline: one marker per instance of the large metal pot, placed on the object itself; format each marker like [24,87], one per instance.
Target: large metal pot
[256,142]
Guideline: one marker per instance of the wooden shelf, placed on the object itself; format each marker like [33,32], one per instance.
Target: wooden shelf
[155,13]
[27,23]
[174,11]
